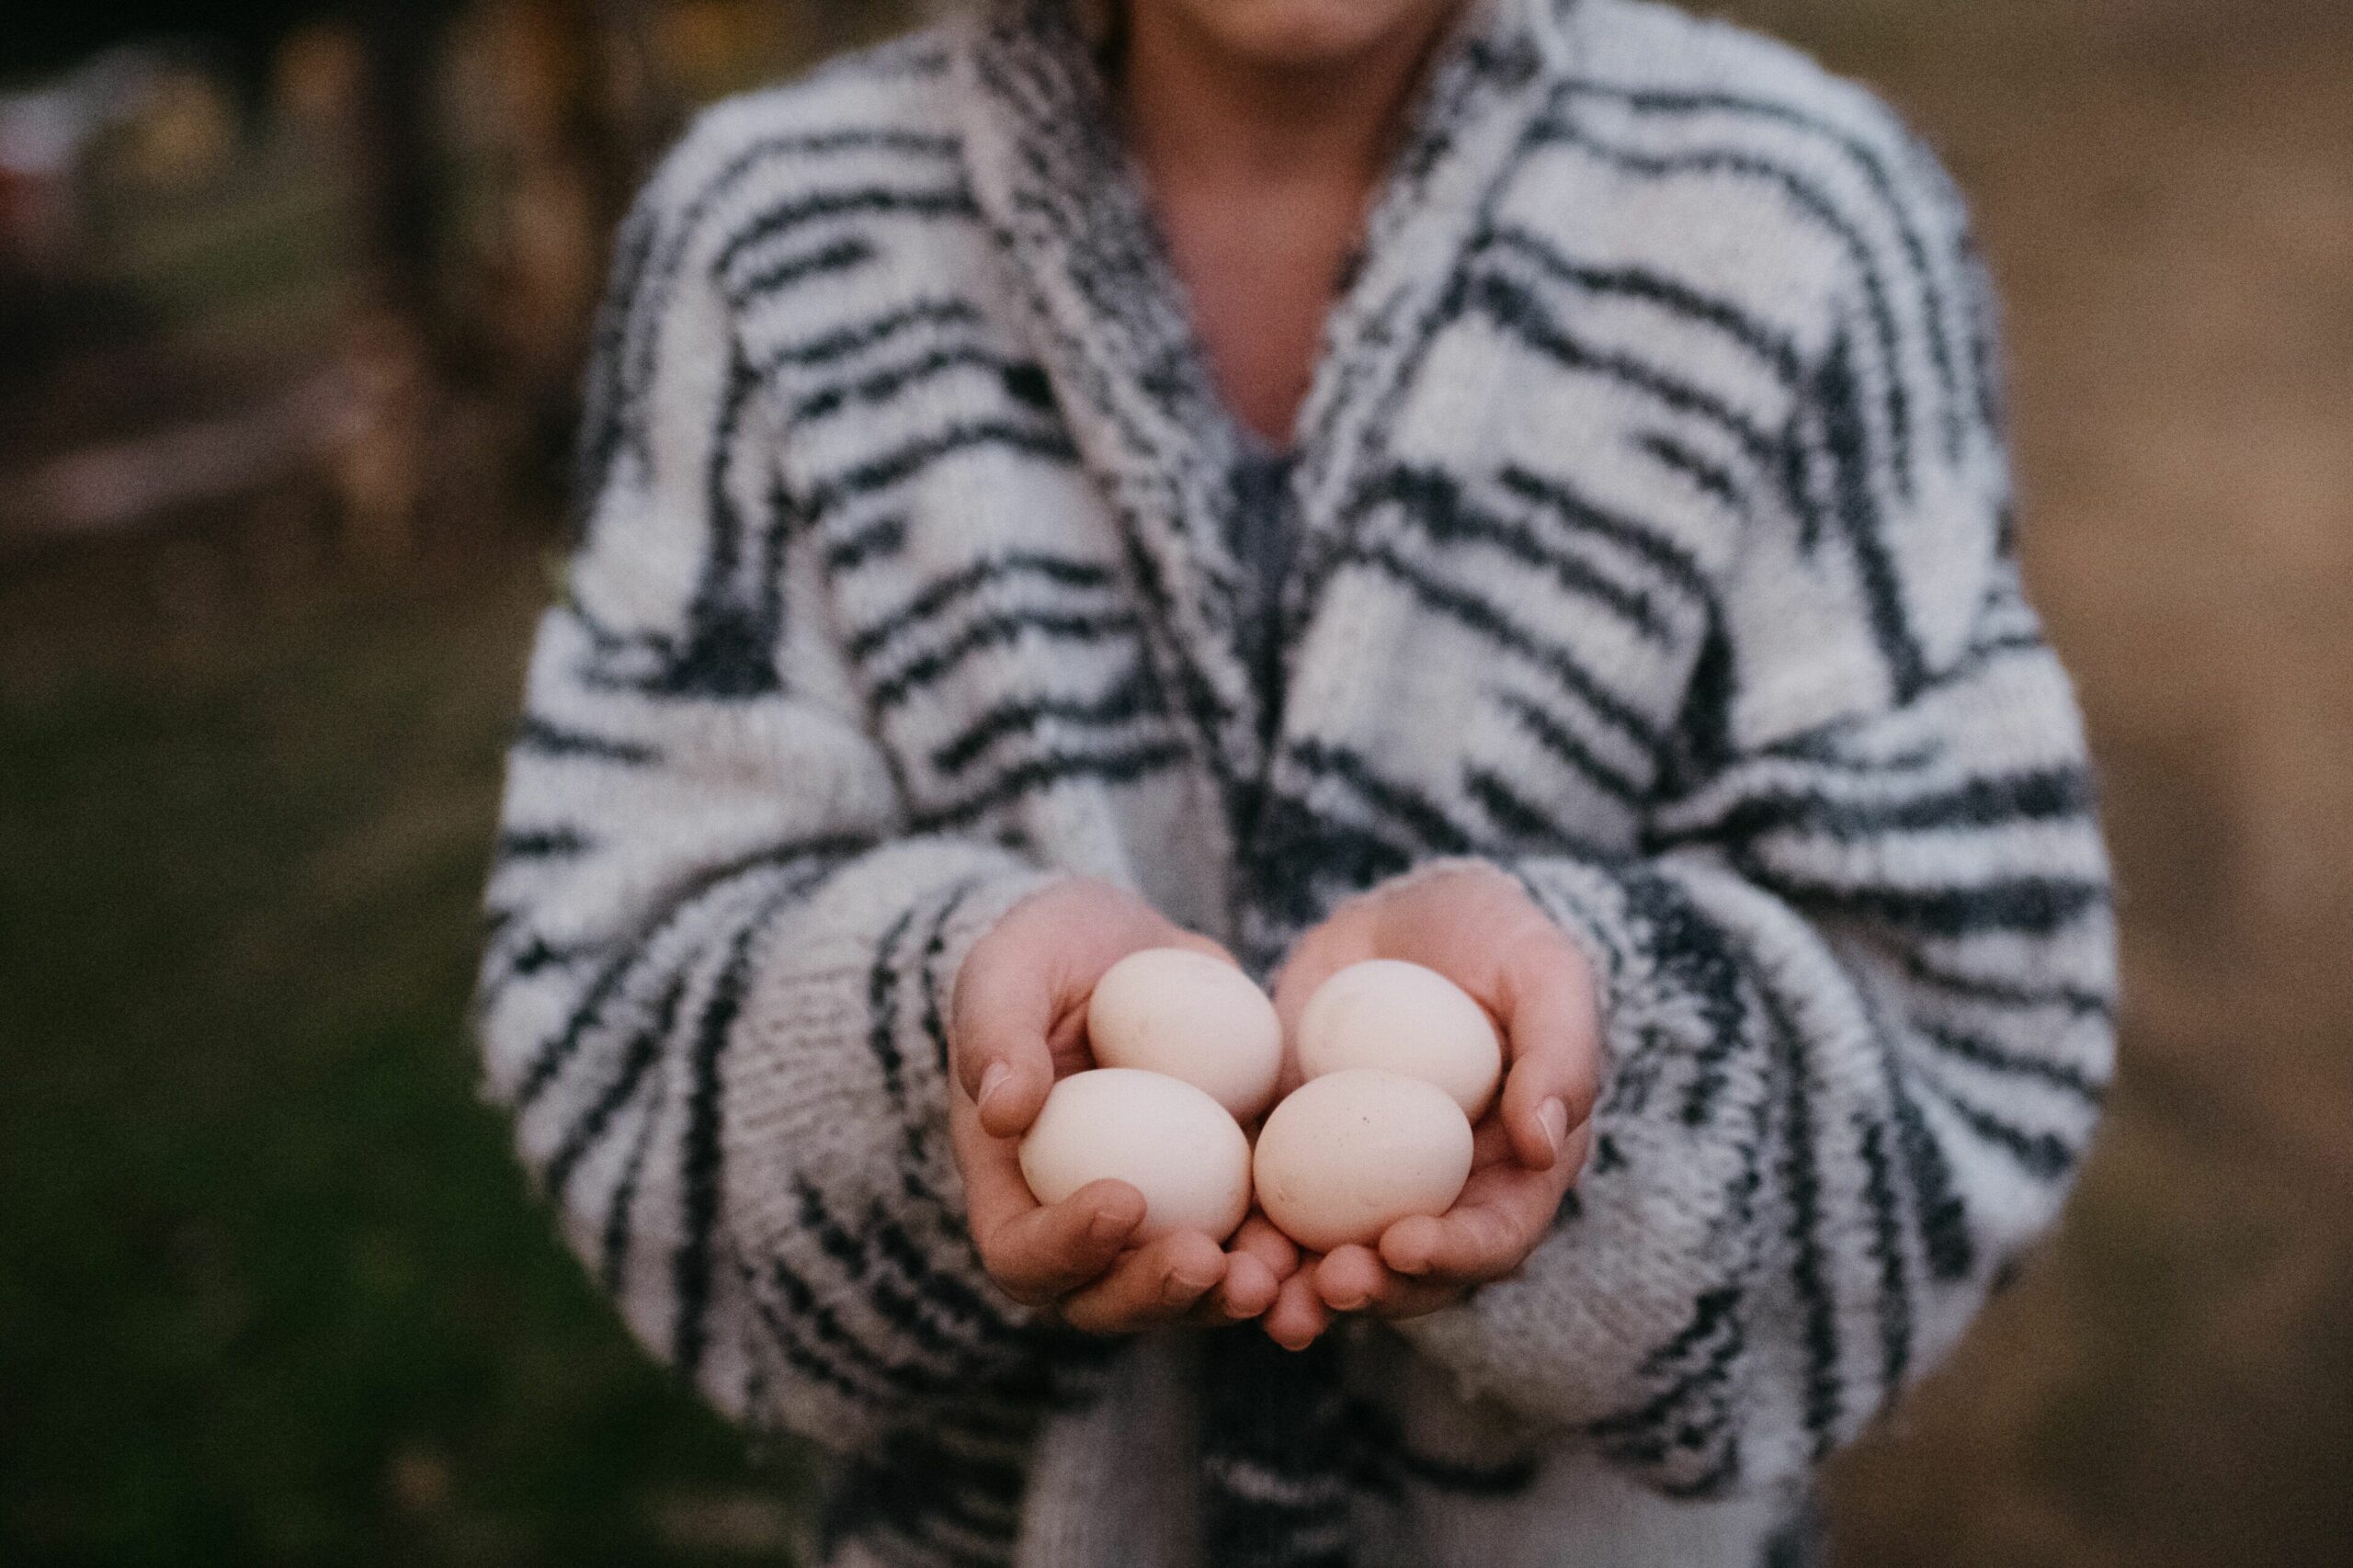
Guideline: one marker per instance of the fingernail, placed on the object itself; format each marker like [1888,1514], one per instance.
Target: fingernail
[1354,1301]
[1181,1292]
[1554,1119]
[1108,1228]
[991,1081]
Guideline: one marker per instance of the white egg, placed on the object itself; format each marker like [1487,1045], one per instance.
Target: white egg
[1348,1155]
[1166,1138]
[1403,1018]
[1192,1017]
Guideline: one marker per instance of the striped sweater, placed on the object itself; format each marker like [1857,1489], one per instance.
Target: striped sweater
[1655,543]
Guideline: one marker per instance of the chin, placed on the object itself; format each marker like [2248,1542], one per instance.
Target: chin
[1306,35]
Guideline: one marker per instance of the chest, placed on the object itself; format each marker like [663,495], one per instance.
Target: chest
[1515,506]
[1260,263]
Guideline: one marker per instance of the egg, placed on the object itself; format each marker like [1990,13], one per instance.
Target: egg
[1166,1138]
[1346,1155]
[1403,1018]
[1188,1016]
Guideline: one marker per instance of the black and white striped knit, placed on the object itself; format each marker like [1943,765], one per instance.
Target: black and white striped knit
[1652,542]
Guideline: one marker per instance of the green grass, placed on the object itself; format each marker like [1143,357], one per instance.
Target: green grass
[274,1291]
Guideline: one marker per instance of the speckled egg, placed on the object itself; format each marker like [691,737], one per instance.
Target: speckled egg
[1189,1016]
[1402,1018]
[1346,1155]
[1166,1138]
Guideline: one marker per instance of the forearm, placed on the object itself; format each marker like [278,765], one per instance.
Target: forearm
[836,1190]
[714,1002]
[1857,1025]
[714,996]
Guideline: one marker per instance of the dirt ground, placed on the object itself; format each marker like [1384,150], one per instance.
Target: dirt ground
[2167,190]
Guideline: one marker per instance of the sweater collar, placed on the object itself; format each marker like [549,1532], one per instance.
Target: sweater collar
[1110,323]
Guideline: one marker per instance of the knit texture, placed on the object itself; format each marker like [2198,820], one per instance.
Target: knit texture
[1652,541]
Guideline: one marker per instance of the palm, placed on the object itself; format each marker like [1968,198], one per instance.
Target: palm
[1019,1027]
[1480,929]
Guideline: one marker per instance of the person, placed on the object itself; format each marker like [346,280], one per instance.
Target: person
[1517,485]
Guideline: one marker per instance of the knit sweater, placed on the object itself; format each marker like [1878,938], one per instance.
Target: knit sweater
[1652,542]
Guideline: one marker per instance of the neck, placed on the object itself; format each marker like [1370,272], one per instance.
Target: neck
[1192,105]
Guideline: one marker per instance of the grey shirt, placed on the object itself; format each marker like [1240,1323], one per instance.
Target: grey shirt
[1263,536]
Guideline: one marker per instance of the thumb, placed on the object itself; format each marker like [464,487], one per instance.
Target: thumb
[1020,984]
[1001,1030]
[1003,1015]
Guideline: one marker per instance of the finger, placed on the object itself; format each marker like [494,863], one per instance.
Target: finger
[1352,1278]
[1259,1239]
[1466,1247]
[1491,1145]
[1553,1024]
[1007,1010]
[1298,1316]
[1482,1239]
[1155,1284]
[1248,1289]
[995,1192]
[1355,1280]
[1043,1253]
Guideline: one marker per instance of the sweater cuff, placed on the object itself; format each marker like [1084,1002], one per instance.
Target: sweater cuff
[842,1195]
[1578,1335]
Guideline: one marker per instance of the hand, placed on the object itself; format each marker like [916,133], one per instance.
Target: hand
[1477,927]
[1018,1026]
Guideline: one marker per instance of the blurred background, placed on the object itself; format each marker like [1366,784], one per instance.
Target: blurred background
[293,295]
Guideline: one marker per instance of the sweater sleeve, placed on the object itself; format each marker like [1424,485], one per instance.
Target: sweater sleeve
[1857,985]
[714,993]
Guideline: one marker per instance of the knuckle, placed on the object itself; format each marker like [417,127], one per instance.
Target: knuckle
[1022,1284]
[1026,1292]
[1015,1273]
[996,1259]
[1492,1240]
[1107,1314]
